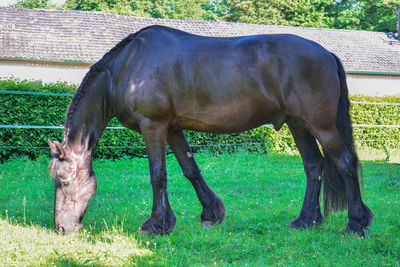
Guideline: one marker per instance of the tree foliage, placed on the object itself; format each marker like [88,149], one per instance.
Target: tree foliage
[172,9]
[291,12]
[379,15]
[33,4]
[372,15]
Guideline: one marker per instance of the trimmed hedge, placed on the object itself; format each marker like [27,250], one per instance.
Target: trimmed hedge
[50,110]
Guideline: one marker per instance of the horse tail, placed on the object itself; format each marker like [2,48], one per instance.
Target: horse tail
[335,197]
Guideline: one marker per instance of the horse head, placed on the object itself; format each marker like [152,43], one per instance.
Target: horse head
[75,184]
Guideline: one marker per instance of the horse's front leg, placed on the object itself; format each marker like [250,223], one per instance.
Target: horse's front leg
[162,219]
[213,207]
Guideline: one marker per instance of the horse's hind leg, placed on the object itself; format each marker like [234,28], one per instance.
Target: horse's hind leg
[345,161]
[162,219]
[310,215]
[213,207]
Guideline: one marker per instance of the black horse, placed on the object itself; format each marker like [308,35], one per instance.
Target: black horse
[160,81]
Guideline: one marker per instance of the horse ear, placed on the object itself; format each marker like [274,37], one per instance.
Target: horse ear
[56,147]
[53,147]
[60,149]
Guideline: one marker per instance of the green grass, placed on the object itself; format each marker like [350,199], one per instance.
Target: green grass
[262,194]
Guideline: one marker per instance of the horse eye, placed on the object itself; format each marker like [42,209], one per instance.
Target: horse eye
[63,181]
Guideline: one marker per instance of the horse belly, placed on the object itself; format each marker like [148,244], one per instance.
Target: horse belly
[230,117]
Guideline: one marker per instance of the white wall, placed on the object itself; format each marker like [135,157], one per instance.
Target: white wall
[374,85]
[46,72]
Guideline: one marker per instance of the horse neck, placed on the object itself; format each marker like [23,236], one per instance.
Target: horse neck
[88,119]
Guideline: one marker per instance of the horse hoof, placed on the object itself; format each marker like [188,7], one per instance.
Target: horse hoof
[359,233]
[153,230]
[356,230]
[154,227]
[211,223]
[212,216]
[208,224]
[303,223]
[359,226]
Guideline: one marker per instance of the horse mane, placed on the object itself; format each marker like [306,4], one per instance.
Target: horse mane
[89,77]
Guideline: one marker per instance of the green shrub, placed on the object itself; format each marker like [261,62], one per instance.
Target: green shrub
[36,86]
[20,109]
[379,138]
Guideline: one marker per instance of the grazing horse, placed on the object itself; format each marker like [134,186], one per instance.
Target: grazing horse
[160,81]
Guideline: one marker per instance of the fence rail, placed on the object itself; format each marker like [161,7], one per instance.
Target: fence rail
[70,95]
[121,127]
[375,103]
[191,145]
[46,127]
[3,126]
[34,93]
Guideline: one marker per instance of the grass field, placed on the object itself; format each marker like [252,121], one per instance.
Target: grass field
[262,194]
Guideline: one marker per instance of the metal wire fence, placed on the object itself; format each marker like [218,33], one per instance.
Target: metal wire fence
[359,142]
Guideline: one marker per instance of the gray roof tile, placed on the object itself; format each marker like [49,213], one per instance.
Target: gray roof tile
[67,35]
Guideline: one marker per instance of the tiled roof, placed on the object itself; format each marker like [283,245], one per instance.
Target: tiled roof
[66,35]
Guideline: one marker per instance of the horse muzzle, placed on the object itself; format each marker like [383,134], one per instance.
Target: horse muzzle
[68,228]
